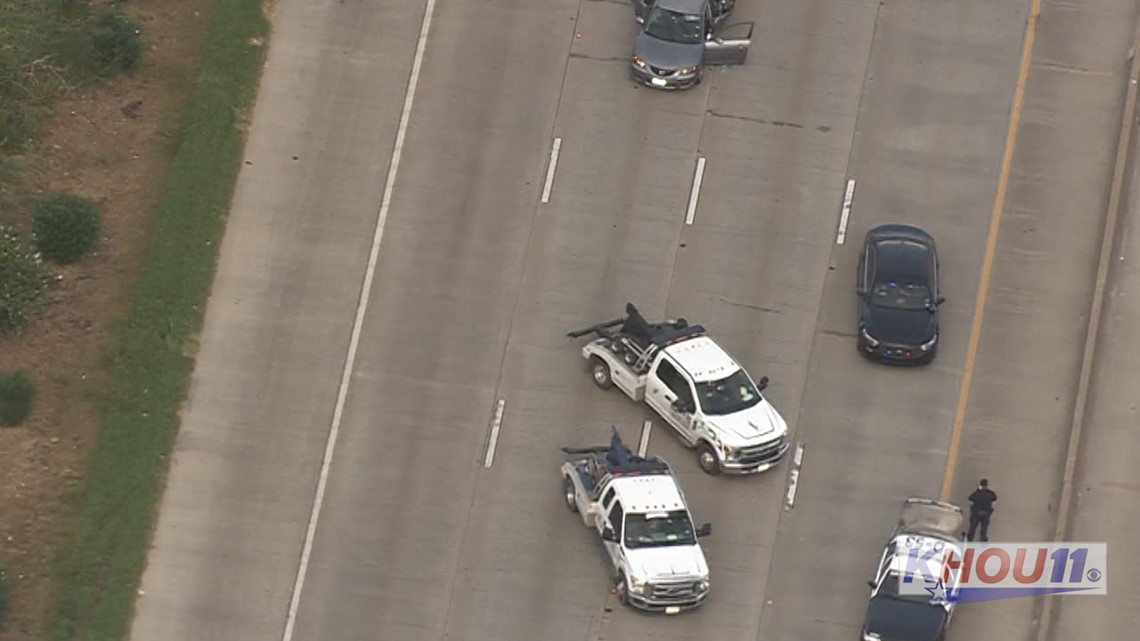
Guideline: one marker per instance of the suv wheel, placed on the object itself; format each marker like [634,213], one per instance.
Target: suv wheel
[707,459]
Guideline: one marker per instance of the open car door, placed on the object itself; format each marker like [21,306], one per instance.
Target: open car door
[729,46]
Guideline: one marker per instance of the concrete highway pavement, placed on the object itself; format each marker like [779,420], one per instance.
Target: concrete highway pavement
[392,556]
[1020,410]
[1108,478]
[478,282]
[928,142]
[241,484]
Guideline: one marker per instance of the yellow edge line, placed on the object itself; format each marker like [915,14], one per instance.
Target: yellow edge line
[991,247]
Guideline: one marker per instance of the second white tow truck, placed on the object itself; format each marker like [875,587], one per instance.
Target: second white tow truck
[638,509]
[709,400]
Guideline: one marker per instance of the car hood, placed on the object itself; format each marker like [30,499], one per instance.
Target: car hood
[758,424]
[667,55]
[896,620]
[668,563]
[900,326]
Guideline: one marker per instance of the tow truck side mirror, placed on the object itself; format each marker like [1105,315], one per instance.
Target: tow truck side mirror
[763,383]
[871,584]
[941,299]
[704,530]
[608,535]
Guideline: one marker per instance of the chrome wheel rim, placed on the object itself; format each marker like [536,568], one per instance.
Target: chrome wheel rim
[708,461]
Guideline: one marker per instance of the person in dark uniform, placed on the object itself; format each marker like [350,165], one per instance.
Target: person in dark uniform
[981,509]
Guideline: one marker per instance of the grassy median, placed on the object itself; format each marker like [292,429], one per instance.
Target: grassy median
[101,565]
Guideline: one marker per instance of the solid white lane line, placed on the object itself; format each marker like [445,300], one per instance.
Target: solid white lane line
[494,442]
[696,192]
[846,213]
[357,325]
[794,477]
[550,170]
[643,444]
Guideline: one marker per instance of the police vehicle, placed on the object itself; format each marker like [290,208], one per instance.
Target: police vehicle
[918,610]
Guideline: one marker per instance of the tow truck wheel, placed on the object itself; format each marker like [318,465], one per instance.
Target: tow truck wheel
[707,459]
[622,590]
[601,373]
[570,494]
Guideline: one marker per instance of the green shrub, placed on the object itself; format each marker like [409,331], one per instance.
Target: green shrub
[17,396]
[65,227]
[17,125]
[23,278]
[115,42]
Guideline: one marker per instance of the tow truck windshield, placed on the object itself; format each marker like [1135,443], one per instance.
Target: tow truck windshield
[728,395]
[659,530]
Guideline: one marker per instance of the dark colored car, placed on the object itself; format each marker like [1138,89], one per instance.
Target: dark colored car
[907,617]
[899,296]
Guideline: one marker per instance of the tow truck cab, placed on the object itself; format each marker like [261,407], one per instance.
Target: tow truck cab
[638,510]
[705,396]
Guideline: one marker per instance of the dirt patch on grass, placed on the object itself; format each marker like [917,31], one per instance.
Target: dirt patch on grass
[111,143]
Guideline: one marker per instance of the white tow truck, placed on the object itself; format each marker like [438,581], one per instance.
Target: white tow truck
[709,400]
[636,506]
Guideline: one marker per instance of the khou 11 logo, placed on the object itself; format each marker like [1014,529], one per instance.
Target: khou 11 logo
[968,572]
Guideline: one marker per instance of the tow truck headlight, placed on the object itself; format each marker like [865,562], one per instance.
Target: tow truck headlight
[929,345]
[637,586]
[870,339]
[638,62]
[703,585]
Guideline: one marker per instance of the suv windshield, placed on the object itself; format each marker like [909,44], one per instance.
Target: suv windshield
[671,26]
[903,295]
[728,395]
[673,528]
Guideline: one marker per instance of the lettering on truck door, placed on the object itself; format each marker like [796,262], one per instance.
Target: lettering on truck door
[666,386]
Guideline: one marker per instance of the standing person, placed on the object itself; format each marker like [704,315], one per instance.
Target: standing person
[981,509]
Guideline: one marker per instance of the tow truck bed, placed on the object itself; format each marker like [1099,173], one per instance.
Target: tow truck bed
[590,468]
[629,351]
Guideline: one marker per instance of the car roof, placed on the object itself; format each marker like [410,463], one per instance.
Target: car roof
[901,258]
[909,545]
[682,6]
[703,359]
[655,493]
